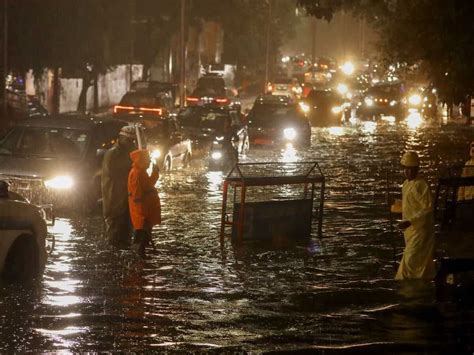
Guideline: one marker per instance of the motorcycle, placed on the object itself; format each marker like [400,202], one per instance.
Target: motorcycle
[222,155]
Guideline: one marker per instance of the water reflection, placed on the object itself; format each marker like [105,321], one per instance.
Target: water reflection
[193,295]
[414,120]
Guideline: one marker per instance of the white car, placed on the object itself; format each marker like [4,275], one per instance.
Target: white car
[23,232]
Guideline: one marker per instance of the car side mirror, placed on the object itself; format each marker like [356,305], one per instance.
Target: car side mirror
[100,152]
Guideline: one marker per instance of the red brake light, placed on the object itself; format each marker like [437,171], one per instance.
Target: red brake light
[158,111]
[222,101]
[118,108]
[192,99]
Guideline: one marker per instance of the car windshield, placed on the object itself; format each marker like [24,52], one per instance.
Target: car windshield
[207,119]
[210,82]
[321,97]
[384,90]
[209,91]
[138,99]
[45,142]
[274,115]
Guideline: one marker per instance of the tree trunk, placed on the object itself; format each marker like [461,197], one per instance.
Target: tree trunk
[82,104]
[56,90]
[96,92]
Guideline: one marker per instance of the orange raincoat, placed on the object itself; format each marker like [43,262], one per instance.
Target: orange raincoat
[143,199]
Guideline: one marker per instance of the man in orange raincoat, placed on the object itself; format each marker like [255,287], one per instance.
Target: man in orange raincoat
[143,199]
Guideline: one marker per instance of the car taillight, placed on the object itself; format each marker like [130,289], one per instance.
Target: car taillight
[222,100]
[192,99]
[158,111]
[118,108]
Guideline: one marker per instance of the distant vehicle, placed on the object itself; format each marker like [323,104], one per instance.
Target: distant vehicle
[20,105]
[273,100]
[211,91]
[168,144]
[147,97]
[285,86]
[384,100]
[22,239]
[205,124]
[277,124]
[324,107]
[57,159]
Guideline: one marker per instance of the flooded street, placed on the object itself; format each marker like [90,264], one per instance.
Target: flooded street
[192,295]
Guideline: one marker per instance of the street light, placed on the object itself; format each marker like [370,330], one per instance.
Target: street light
[267,56]
[182,76]
[5,57]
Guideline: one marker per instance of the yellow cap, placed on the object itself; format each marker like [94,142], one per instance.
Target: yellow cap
[410,159]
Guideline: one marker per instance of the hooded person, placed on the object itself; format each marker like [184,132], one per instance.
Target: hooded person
[467,192]
[143,199]
[417,223]
[115,169]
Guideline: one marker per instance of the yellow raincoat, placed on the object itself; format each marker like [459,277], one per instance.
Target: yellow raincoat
[467,192]
[417,207]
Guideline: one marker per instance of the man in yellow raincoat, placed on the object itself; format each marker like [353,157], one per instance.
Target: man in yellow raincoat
[467,192]
[417,223]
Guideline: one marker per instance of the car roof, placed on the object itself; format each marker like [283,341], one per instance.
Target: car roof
[66,121]
[151,85]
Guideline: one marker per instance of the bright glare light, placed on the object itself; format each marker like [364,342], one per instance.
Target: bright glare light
[342,88]
[289,133]
[414,120]
[348,68]
[304,106]
[369,127]
[414,99]
[216,155]
[336,109]
[285,59]
[59,182]
[336,131]
[155,154]
[389,119]
[393,103]
[368,101]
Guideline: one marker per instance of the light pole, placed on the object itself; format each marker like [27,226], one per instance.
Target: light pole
[5,57]
[182,49]
[267,56]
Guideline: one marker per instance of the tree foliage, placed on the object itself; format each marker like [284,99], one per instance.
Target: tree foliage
[436,34]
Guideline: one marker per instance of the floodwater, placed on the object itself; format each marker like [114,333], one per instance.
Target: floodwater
[191,294]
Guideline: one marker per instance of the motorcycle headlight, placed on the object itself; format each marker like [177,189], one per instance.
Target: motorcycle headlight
[155,155]
[304,107]
[289,133]
[216,155]
[369,101]
[414,99]
[336,109]
[61,182]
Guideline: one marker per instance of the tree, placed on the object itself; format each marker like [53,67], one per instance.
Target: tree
[436,34]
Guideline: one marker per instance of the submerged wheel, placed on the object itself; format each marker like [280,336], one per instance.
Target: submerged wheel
[22,261]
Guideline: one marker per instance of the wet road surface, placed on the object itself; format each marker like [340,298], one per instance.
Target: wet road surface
[331,294]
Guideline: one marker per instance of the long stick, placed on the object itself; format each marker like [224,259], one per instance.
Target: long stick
[387,186]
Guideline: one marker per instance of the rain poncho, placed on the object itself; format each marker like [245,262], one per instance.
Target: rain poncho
[467,192]
[143,199]
[417,205]
[115,169]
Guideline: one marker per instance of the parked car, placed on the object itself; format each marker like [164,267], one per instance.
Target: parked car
[205,124]
[21,106]
[153,97]
[324,107]
[23,234]
[387,99]
[167,142]
[276,124]
[57,159]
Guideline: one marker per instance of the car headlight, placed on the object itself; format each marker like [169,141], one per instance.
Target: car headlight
[304,107]
[414,99]
[216,155]
[369,101]
[289,133]
[155,154]
[336,109]
[393,103]
[59,182]
[342,89]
